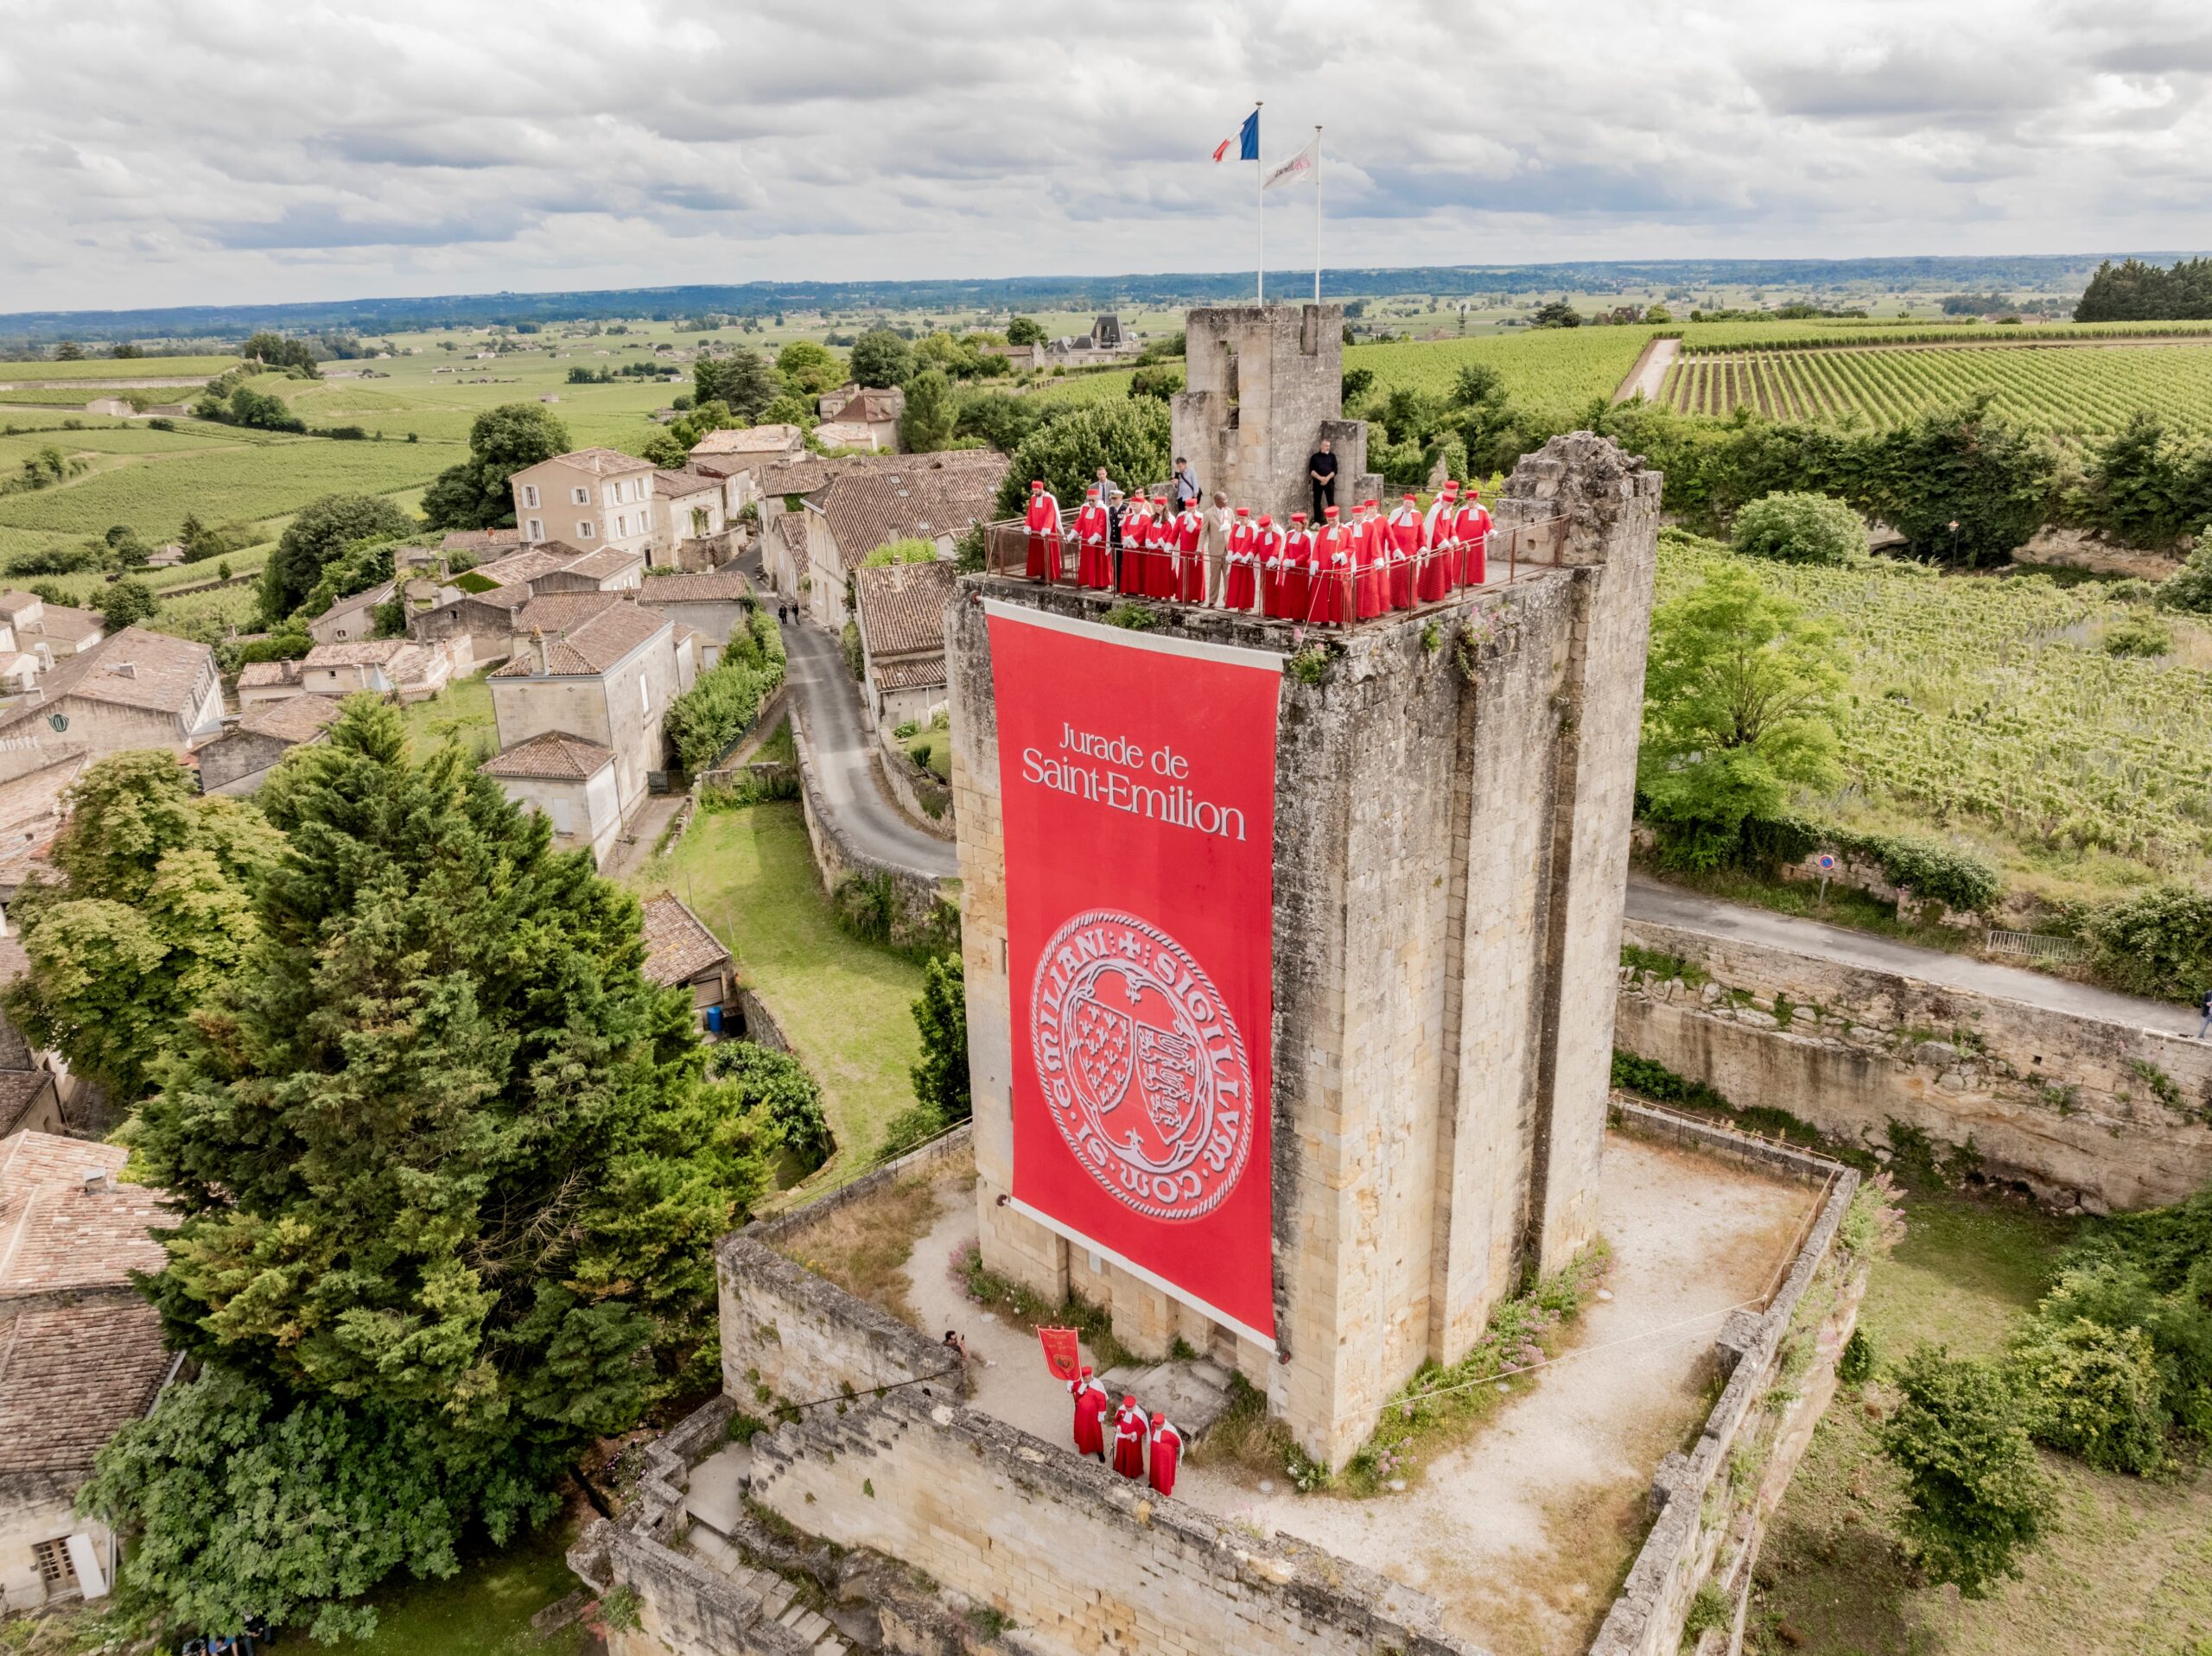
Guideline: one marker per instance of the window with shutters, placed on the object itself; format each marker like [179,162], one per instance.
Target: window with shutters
[583,529]
[529,494]
[580,496]
[537,529]
[53,1566]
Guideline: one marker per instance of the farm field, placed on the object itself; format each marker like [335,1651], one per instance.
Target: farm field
[1984,709]
[2071,389]
[104,368]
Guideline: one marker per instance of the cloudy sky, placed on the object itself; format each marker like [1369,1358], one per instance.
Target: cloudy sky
[238,151]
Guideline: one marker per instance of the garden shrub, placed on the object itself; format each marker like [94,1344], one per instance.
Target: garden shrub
[1794,528]
[1975,1494]
[2153,942]
[722,702]
[2092,1391]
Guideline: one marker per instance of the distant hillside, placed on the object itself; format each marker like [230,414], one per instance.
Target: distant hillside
[2063,272]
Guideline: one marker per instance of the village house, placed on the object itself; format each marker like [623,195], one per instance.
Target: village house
[571,782]
[62,630]
[351,617]
[30,1096]
[479,544]
[37,765]
[262,681]
[681,953]
[901,608]
[399,668]
[761,444]
[238,761]
[712,605]
[690,505]
[136,689]
[476,610]
[876,411]
[80,1353]
[859,513]
[589,498]
[598,666]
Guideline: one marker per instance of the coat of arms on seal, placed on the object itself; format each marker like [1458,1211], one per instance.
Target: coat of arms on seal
[1144,1068]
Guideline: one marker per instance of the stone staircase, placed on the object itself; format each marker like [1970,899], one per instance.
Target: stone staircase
[779,1600]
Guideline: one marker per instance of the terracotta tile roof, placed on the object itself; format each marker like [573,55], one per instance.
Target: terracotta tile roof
[910,673]
[360,652]
[586,645]
[678,946]
[295,719]
[754,440]
[815,472]
[55,1234]
[902,607]
[151,672]
[866,512]
[721,586]
[555,756]
[479,540]
[868,407]
[845,433]
[15,602]
[59,621]
[597,566]
[72,1376]
[673,485]
[268,674]
[602,462]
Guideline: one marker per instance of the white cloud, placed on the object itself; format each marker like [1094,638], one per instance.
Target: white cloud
[243,150]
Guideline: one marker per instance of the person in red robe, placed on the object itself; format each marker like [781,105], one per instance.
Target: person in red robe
[1167,1451]
[1160,552]
[1128,1439]
[1094,562]
[1136,547]
[1190,554]
[1406,544]
[1439,566]
[1474,539]
[1267,565]
[1370,553]
[1328,597]
[1240,581]
[1297,566]
[1042,520]
[1091,1405]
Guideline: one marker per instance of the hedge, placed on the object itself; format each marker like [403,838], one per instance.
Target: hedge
[720,706]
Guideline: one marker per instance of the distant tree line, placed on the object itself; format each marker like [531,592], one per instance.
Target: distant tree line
[2133,291]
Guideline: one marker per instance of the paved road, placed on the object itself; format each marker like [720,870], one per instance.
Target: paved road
[828,706]
[1670,906]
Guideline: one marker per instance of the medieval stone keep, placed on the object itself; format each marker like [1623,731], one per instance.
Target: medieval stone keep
[1452,798]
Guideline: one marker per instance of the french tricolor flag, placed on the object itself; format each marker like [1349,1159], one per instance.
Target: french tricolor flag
[1247,141]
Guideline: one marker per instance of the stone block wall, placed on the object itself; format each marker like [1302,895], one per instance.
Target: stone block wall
[2080,1109]
[1077,1558]
[1452,810]
[918,914]
[787,1330]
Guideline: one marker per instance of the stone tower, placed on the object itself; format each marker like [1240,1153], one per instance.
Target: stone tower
[1452,796]
[1265,385]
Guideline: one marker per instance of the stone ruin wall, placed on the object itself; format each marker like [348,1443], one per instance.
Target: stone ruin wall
[2080,1109]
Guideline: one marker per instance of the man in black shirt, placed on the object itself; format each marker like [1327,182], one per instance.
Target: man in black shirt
[1322,468]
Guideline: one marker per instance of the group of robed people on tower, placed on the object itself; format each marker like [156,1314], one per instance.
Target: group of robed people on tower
[1138,1448]
[1327,573]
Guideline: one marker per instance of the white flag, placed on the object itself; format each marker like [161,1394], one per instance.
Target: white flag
[1301,167]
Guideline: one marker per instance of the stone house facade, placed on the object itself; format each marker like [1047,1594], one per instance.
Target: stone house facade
[857,513]
[901,608]
[589,498]
[136,689]
[567,780]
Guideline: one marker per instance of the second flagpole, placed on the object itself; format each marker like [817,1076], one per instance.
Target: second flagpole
[1260,201]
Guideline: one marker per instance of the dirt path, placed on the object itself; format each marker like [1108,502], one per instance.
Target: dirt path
[1650,371]
[1521,1534]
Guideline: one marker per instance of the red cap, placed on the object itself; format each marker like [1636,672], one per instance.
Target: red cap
[1330,512]
[1243,511]
[1129,1399]
[1266,522]
[1036,482]
[1410,495]
[1093,489]
[1158,1418]
[1472,489]
[1450,487]
[1298,517]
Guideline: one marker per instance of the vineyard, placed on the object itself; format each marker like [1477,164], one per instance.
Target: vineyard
[22,373]
[2071,391]
[1987,704]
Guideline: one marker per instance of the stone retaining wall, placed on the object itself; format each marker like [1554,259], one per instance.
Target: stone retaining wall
[917,915]
[2080,1109]
[1075,1556]
[1711,1501]
[916,789]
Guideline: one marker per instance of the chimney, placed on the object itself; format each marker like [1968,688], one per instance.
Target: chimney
[537,643]
[99,1181]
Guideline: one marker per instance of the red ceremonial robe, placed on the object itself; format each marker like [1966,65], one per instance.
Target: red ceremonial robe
[1094,564]
[1189,556]
[1129,1432]
[1043,522]
[1293,582]
[1440,565]
[1370,558]
[1160,559]
[1136,558]
[1269,574]
[1328,598]
[1091,1406]
[1405,549]
[1166,1450]
[1474,545]
[1239,583]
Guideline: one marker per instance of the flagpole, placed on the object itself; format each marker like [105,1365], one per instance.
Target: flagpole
[1317,215]
[1260,217]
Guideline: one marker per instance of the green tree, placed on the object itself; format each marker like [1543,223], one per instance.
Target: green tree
[126,603]
[1976,1492]
[2092,1392]
[1160,383]
[69,351]
[881,358]
[441,1156]
[1739,695]
[1025,330]
[941,1016]
[292,356]
[1799,529]
[742,382]
[927,424]
[1555,313]
[1964,466]
[2189,589]
[810,369]
[502,440]
[319,534]
[1129,438]
[1000,418]
[778,1084]
[153,915]
[2144,486]
[2156,940]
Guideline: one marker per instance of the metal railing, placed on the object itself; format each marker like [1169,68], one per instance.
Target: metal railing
[2036,946]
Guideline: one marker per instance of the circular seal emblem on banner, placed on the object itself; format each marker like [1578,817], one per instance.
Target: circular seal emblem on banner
[1144,1068]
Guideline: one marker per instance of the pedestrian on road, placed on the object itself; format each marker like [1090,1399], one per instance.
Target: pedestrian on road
[2204,1006]
[1321,467]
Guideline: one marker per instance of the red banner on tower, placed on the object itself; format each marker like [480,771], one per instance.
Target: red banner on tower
[1137,779]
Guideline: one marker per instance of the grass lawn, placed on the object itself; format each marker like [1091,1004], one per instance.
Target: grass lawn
[2125,1565]
[845,1006]
[461,712]
[484,1610]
